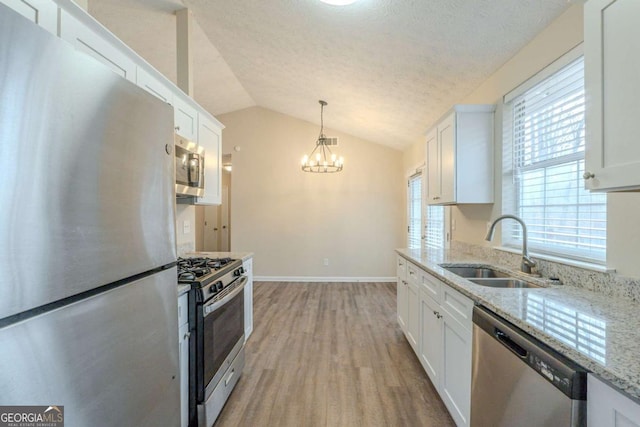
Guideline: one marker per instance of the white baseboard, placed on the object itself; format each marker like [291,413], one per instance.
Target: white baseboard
[321,279]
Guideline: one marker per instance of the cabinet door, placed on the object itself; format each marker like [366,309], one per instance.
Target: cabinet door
[433,167]
[431,338]
[413,307]
[185,118]
[210,138]
[456,369]
[248,299]
[86,40]
[447,143]
[154,86]
[612,66]
[607,407]
[42,12]
[183,352]
[402,303]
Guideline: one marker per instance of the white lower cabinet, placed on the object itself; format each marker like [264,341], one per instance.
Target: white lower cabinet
[607,407]
[444,337]
[402,305]
[413,306]
[183,355]
[430,338]
[455,378]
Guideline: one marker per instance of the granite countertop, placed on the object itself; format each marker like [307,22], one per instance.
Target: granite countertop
[601,333]
[234,255]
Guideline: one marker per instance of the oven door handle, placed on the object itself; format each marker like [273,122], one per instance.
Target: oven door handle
[209,308]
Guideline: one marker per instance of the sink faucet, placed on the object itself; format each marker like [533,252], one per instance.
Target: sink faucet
[527,263]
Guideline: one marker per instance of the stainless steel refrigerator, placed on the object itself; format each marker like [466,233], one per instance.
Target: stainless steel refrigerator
[88,309]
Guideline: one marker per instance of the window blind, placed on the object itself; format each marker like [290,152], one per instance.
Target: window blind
[544,144]
[414,197]
[435,227]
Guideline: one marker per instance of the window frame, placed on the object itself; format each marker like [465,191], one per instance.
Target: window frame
[510,188]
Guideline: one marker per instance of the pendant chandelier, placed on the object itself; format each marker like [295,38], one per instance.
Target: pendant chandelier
[321,159]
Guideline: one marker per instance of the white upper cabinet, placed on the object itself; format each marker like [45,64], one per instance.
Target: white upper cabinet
[460,157]
[85,39]
[612,67]
[153,85]
[42,12]
[185,119]
[210,138]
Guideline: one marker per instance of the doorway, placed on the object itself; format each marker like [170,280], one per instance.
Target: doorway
[214,221]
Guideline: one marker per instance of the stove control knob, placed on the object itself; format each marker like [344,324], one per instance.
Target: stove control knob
[216,287]
[238,272]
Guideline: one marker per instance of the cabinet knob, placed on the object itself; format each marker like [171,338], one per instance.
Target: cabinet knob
[187,335]
[439,316]
[436,197]
[435,313]
[588,175]
[177,128]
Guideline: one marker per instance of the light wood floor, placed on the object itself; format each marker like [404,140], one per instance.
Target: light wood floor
[330,354]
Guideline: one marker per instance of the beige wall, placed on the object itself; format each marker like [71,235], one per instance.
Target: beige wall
[623,230]
[186,242]
[292,220]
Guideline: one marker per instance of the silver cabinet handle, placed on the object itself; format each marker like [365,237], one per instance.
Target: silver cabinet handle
[439,316]
[588,175]
[436,197]
[187,335]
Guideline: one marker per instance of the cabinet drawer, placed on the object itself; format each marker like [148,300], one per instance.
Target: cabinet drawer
[183,309]
[457,305]
[431,286]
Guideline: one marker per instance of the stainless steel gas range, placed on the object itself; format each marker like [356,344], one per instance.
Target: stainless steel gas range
[216,323]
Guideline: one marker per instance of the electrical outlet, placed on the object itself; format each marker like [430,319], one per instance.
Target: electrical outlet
[186,227]
[325,261]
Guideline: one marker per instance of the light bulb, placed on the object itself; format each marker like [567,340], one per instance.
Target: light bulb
[311,164]
[305,159]
[318,157]
[333,158]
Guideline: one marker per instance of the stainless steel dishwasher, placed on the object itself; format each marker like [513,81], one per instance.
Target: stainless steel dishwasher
[518,381]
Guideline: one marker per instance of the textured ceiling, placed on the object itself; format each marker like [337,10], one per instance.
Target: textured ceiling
[388,69]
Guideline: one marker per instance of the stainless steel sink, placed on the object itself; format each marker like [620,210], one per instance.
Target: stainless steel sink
[503,283]
[487,276]
[478,272]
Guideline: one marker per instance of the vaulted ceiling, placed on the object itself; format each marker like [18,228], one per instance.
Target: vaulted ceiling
[388,69]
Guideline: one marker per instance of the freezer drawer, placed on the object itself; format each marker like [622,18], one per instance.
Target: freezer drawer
[111,360]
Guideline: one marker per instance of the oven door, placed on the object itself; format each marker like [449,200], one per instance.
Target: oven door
[222,335]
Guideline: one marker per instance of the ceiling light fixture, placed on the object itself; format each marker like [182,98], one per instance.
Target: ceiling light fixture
[321,159]
[339,2]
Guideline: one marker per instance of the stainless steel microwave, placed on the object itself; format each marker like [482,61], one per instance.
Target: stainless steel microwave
[189,159]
